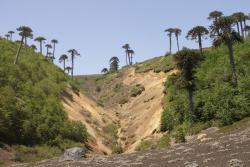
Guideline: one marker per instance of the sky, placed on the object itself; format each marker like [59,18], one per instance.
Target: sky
[97,29]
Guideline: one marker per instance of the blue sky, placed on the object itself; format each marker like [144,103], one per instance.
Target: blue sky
[98,28]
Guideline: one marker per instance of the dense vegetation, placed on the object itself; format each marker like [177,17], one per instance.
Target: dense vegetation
[216,99]
[30,101]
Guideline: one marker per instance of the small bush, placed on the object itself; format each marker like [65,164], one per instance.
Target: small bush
[136,90]
[179,135]
[145,145]
[164,141]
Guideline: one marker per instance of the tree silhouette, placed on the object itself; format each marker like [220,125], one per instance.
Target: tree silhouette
[245,18]
[126,47]
[68,69]
[33,47]
[11,34]
[197,33]
[130,55]
[24,32]
[48,46]
[224,25]
[114,64]
[73,54]
[170,31]
[63,58]
[54,42]
[177,32]
[7,36]
[186,60]
[40,40]
[104,71]
[239,18]
[214,16]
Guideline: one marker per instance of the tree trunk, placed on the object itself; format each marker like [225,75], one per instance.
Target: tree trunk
[72,68]
[54,47]
[238,27]
[242,31]
[232,63]
[177,39]
[245,24]
[200,43]
[190,103]
[47,54]
[126,57]
[11,37]
[170,43]
[18,51]
[41,47]
[64,65]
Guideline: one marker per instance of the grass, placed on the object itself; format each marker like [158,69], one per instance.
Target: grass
[34,154]
[234,126]
[136,90]
[158,64]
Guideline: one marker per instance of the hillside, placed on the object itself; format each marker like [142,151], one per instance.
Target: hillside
[143,108]
[218,137]
[32,118]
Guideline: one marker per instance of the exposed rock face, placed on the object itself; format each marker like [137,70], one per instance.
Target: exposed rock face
[73,154]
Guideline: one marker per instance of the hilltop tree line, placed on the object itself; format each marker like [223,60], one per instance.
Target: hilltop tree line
[224,30]
[27,33]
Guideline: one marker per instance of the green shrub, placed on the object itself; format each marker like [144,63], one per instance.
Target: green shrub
[179,135]
[145,145]
[31,112]
[136,90]
[164,141]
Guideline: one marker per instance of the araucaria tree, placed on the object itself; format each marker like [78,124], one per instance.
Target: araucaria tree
[186,60]
[198,33]
[7,36]
[48,46]
[40,40]
[68,69]
[54,42]
[11,34]
[214,16]
[63,58]
[24,32]
[126,47]
[130,55]
[177,32]
[170,31]
[114,64]
[73,54]
[104,71]
[224,26]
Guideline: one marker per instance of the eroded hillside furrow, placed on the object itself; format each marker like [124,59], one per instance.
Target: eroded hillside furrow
[137,119]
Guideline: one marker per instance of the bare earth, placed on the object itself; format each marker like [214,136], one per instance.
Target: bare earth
[211,149]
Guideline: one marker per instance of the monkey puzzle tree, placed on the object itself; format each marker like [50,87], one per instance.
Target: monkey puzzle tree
[7,36]
[73,54]
[224,25]
[214,16]
[33,47]
[130,55]
[114,64]
[24,32]
[11,34]
[48,46]
[126,47]
[63,58]
[68,69]
[177,32]
[186,60]
[197,33]
[40,40]
[54,42]
[170,31]
[104,71]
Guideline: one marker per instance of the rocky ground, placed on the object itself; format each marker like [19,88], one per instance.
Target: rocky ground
[211,148]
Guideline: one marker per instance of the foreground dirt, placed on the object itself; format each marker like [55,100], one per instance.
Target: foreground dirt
[211,149]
